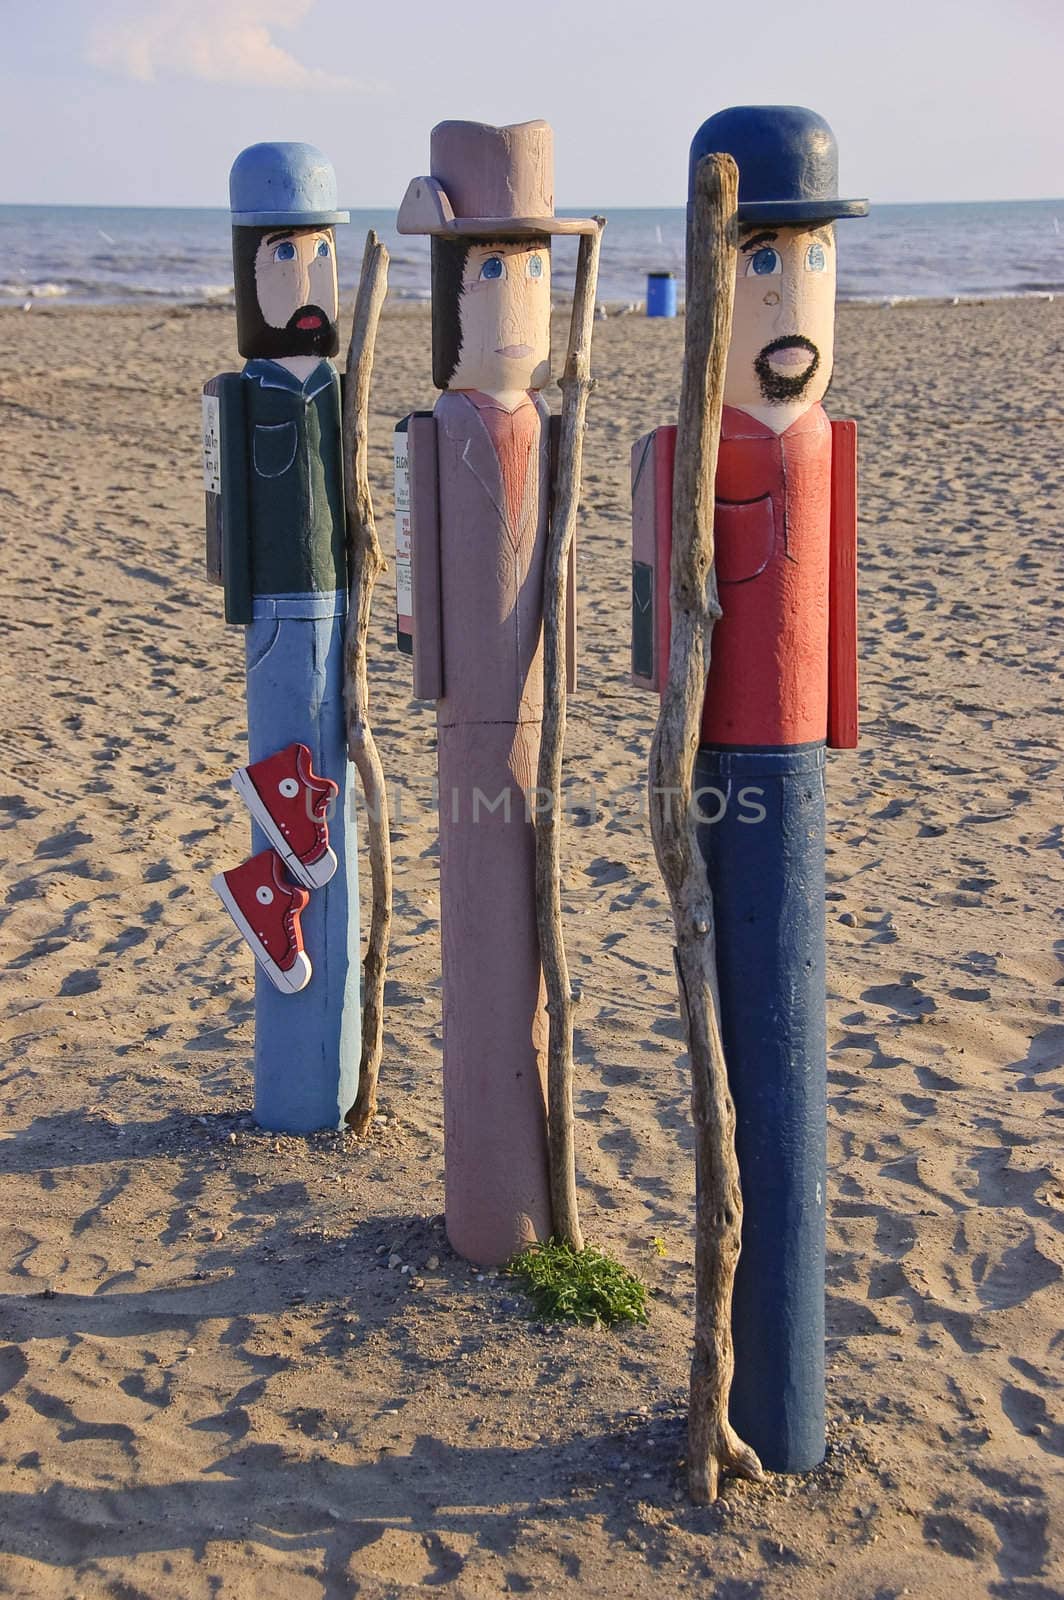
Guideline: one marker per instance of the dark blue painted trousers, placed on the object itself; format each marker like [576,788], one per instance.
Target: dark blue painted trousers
[762,837]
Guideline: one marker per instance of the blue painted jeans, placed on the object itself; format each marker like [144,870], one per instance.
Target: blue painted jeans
[763,842]
[307,1045]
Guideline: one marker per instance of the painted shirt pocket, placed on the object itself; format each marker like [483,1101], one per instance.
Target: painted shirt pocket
[274,448]
[745,533]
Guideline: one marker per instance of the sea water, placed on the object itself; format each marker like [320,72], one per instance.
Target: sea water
[101,255]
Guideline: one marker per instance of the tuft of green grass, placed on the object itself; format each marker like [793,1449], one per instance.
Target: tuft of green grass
[585,1286]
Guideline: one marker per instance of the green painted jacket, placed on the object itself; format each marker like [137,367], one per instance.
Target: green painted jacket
[278,506]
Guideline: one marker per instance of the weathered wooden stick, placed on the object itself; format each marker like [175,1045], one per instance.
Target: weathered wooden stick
[713,1446]
[576,385]
[365,564]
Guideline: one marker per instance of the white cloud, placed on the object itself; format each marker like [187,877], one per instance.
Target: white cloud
[217,41]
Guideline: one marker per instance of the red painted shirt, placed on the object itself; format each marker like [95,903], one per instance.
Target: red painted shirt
[517,436]
[768,679]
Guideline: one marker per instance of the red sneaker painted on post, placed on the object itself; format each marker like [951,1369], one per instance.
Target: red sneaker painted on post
[290,802]
[266,908]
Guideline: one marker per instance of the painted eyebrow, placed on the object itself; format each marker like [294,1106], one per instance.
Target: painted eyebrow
[274,238]
[758,238]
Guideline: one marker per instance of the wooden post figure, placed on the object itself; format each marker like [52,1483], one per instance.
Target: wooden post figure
[480,492]
[782,683]
[276,543]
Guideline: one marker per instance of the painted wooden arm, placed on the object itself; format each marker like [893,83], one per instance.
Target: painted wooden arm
[404,618]
[653,459]
[226,483]
[425,556]
[842,590]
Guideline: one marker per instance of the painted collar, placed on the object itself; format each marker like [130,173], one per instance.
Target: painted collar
[739,424]
[488,402]
[271,375]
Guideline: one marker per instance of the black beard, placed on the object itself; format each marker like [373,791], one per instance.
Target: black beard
[272,343]
[320,341]
[777,386]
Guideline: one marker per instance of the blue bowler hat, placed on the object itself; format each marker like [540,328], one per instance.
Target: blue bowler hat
[283,185]
[788,163]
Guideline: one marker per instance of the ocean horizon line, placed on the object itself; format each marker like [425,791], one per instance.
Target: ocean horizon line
[928,250]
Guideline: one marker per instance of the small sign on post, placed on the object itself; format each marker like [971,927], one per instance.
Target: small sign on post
[212,444]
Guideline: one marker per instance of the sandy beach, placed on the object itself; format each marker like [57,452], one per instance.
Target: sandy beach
[212,1382]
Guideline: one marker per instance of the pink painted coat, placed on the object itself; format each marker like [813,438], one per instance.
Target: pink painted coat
[493,471]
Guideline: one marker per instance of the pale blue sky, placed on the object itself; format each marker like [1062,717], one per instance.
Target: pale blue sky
[145,102]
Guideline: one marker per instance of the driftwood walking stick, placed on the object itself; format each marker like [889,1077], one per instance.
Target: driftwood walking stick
[713,1446]
[576,386]
[365,564]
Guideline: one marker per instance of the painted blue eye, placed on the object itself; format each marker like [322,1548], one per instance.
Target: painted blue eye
[763,262]
[323,248]
[535,266]
[815,258]
[493,268]
[285,251]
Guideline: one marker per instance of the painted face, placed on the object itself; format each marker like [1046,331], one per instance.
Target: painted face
[505,316]
[783,327]
[295,281]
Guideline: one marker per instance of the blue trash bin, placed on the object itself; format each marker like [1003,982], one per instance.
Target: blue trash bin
[661,294]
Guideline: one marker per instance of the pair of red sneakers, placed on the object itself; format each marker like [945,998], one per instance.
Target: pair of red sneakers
[290,802]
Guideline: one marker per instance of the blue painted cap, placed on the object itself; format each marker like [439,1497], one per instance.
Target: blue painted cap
[788,163]
[283,185]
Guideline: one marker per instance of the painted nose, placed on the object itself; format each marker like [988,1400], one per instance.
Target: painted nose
[790,287]
[304,281]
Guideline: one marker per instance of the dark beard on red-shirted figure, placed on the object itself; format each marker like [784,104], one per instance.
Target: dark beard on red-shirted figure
[781,386]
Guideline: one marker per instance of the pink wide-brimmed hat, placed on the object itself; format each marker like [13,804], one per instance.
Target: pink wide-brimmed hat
[488,183]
